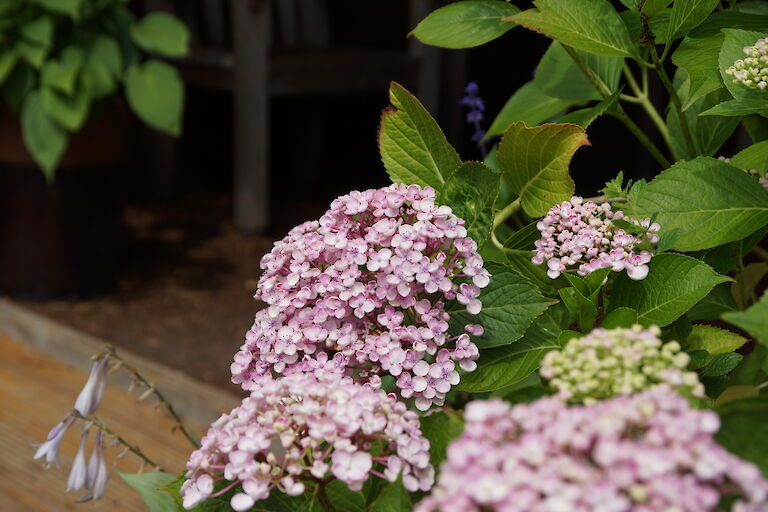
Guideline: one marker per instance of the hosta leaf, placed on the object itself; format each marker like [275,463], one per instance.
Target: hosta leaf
[535,163]
[45,140]
[530,105]
[471,191]
[69,111]
[510,303]
[674,284]
[61,74]
[156,94]
[465,24]
[705,201]
[412,146]
[754,320]
[161,33]
[590,25]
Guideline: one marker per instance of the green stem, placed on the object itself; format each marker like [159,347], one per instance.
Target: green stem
[132,448]
[505,213]
[161,399]
[645,102]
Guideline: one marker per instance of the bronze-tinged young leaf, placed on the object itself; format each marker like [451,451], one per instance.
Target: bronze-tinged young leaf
[705,202]
[535,163]
[412,146]
[471,191]
[590,25]
[674,284]
[754,320]
[465,24]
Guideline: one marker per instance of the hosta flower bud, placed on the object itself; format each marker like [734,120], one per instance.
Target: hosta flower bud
[752,71]
[606,363]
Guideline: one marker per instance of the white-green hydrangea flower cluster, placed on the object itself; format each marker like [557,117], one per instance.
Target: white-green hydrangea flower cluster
[611,362]
[752,71]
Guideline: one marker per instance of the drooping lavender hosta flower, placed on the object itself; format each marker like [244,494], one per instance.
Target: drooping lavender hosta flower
[580,236]
[363,292]
[752,71]
[610,362]
[476,106]
[648,452]
[50,447]
[90,396]
[294,431]
[762,177]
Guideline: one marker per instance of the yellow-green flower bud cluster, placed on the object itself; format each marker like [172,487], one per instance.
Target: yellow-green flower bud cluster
[607,363]
[753,70]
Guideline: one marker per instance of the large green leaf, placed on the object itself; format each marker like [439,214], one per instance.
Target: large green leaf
[674,284]
[412,146]
[698,57]
[510,303]
[535,163]
[161,33]
[342,498]
[69,111]
[687,15]
[536,274]
[709,133]
[61,73]
[471,191]
[393,498]
[728,18]
[733,50]
[753,157]
[45,140]
[149,486]
[558,75]
[738,108]
[530,105]
[754,320]
[156,94]
[703,202]
[744,430]
[710,308]
[440,428]
[590,25]
[465,24]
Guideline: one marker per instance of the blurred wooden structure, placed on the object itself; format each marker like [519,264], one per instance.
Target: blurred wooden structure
[260,49]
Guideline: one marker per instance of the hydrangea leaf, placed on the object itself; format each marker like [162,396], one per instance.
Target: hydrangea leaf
[753,157]
[590,25]
[465,24]
[708,132]
[722,364]
[412,146]
[585,116]
[705,201]
[687,15]
[342,498]
[710,308]
[530,105]
[558,75]
[674,284]
[471,191]
[698,57]
[754,320]
[161,33]
[619,317]
[440,428]
[744,431]
[714,340]
[393,498]
[535,163]
[502,367]
[156,94]
[149,486]
[510,304]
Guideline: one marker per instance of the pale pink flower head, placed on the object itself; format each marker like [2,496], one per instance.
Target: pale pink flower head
[368,287]
[263,445]
[648,452]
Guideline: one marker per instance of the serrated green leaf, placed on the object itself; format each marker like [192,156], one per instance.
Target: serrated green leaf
[582,307]
[590,25]
[471,192]
[510,303]
[714,340]
[711,307]
[728,18]
[465,24]
[38,31]
[737,108]
[708,133]
[69,111]
[523,239]
[161,33]
[722,364]
[412,146]
[535,163]
[440,428]
[530,105]
[687,15]
[619,317]
[586,116]
[150,485]
[708,201]
[558,75]
[156,94]
[61,73]
[754,320]
[753,157]
[698,57]
[342,498]
[744,431]
[521,262]
[674,284]
[393,498]
[733,50]
[45,140]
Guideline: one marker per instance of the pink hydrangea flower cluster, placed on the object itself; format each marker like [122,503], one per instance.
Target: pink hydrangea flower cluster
[580,236]
[363,292]
[293,432]
[648,452]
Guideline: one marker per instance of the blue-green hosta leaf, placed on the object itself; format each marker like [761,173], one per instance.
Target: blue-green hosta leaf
[150,486]
[754,320]
[412,146]
[465,24]
[161,33]
[510,304]
[535,163]
[558,75]
[753,157]
[687,15]
[590,25]
[471,191]
[744,431]
[674,284]
[530,105]
[705,201]
[156,94]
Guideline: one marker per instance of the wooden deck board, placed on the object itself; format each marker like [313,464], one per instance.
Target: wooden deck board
[36,390]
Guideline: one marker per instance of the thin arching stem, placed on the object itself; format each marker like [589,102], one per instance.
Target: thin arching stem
[96,422]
